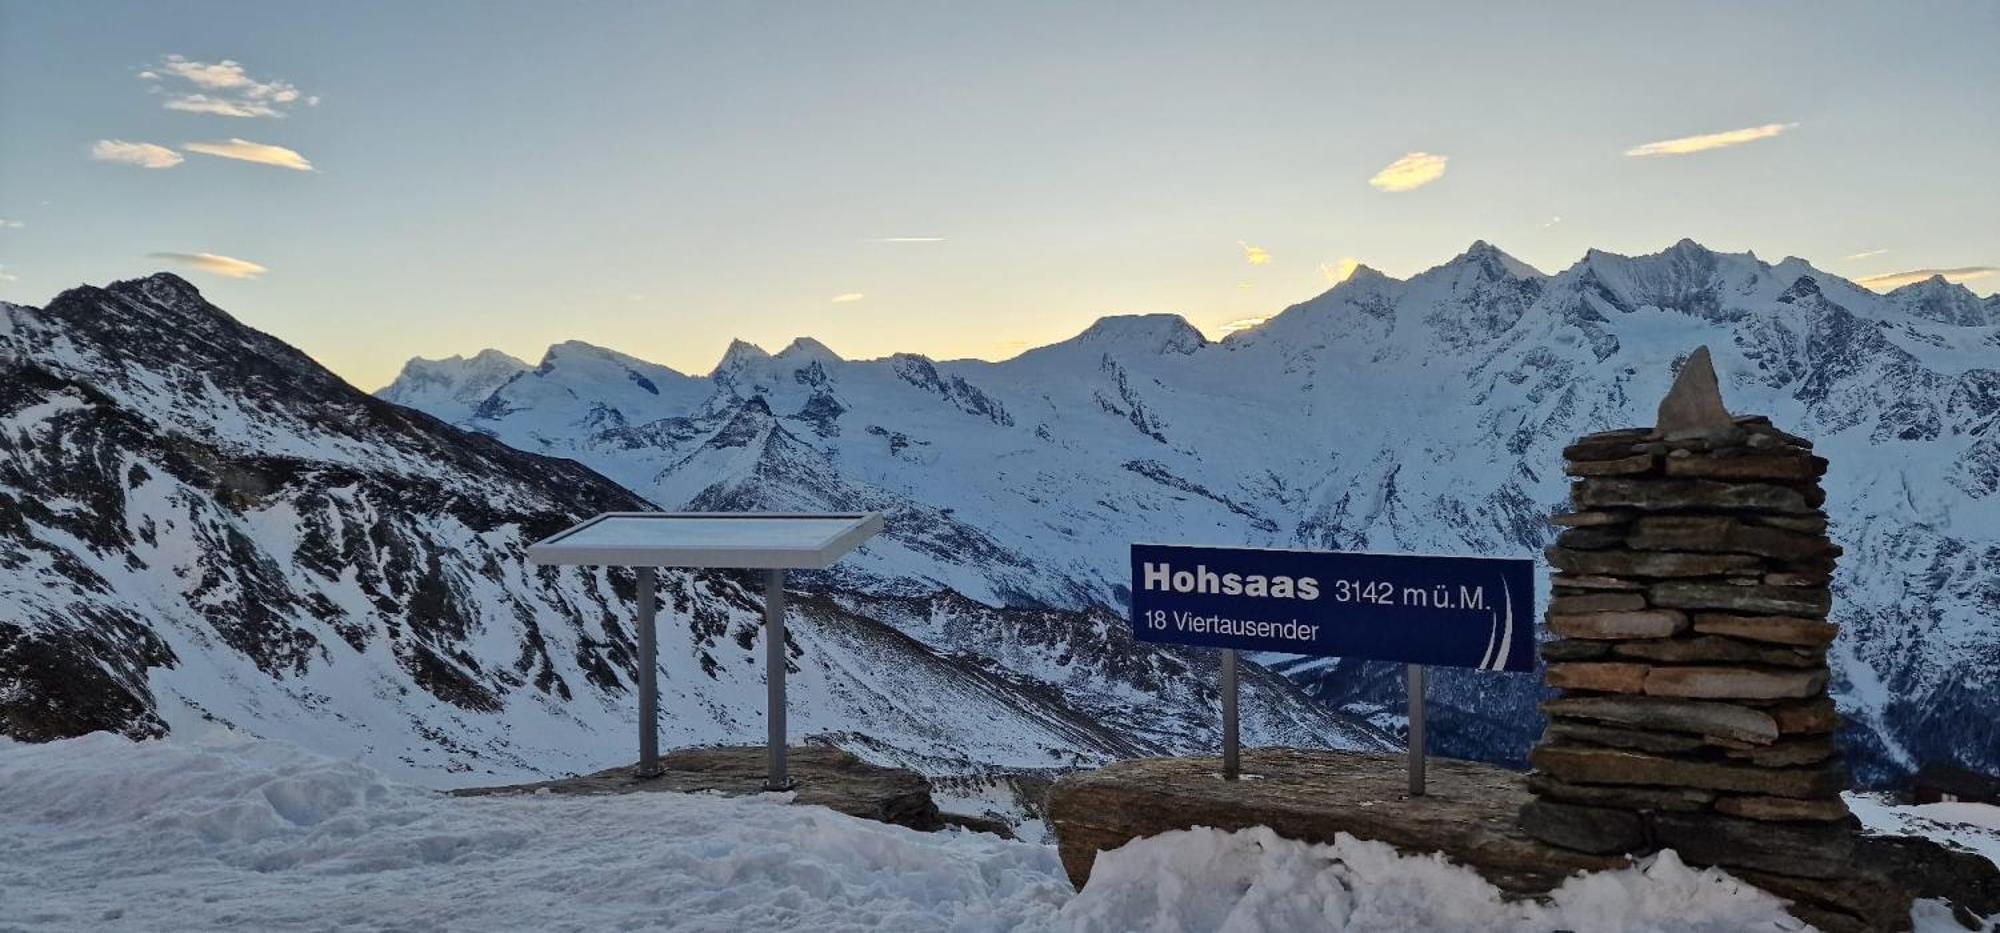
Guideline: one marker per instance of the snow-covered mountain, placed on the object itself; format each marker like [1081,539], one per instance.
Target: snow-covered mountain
[1397,415]
[199,523]
[451,388]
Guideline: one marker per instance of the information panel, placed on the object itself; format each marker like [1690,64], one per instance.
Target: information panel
[1475,612]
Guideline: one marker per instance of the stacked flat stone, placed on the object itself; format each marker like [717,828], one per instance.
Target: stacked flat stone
[1690,614]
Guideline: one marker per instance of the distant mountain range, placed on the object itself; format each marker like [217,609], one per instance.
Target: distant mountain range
[1393,415]
[200,525]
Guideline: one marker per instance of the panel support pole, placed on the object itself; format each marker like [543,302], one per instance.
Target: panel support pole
[1416,730]
[1232,749]
[649,686]
[774,680]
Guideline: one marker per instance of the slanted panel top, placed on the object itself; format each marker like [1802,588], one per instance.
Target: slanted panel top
[810,541]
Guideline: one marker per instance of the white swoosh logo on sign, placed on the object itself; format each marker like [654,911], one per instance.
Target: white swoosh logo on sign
[1502,631]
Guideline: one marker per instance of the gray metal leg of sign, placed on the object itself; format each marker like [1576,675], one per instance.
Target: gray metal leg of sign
[1231,744]
[1416,730]
[649,687]
[774,679]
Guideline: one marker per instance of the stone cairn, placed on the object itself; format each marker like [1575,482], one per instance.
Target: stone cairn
[1690,604]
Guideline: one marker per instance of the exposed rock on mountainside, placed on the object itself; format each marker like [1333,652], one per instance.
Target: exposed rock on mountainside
[1422,415]
[199,523]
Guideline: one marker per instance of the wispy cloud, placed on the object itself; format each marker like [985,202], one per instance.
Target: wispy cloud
[1246,285]
[6,276]
[846,297]
[1338,272]
[222,88]
[246,151]
[1895,280]
[228,266]
[1255,255]
[1687,144]
[907,239]
[11,224]
[1553,221]
[1412,171]
[1245,323]
[144,155]
[1865,254]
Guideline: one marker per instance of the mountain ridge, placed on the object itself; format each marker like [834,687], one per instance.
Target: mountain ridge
[200,527]
[1421,414]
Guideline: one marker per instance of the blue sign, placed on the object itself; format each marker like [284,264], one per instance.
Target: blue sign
[1476,612]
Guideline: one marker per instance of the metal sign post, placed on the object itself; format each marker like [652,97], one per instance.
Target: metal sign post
[775,777]
[649,683]
[1416,741]
[1231,746]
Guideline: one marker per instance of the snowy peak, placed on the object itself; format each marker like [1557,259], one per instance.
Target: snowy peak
[166,290]
[452,388]
[1154,334]
[806,349]
[1936,299]
[1486,261]
[741,353]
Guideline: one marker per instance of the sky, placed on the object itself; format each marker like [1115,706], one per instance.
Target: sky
[375,181]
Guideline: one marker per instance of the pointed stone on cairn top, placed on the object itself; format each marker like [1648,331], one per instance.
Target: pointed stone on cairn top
[1693,407]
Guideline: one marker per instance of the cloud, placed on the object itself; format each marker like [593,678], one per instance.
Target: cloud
[846,297]
[1707,141]
[1246,285]
[6,276]
[1336,273]
[1894,280]
[11,224]
[907,239]
[222,88]
[1255,255]
[1230,327]
[1553,221]
[144,155]
[1866,253]
[228,266]
[1413,170]
[247,151]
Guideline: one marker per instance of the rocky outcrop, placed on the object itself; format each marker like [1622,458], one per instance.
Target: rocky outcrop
[822,776]
[1313,795]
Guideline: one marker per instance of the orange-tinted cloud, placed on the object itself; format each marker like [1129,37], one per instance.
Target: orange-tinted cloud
[1894,280]
[1689,144]
[244,150]
[143,155]
[228,266]
[1410,172]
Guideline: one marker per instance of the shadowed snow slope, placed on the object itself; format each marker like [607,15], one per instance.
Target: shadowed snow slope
[197,522]
[232,834]
[1424,415]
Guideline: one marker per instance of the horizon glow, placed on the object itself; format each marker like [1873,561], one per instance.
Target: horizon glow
[377,183]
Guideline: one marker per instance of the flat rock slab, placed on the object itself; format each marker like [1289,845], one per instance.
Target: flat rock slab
[821,776]
[1468,812]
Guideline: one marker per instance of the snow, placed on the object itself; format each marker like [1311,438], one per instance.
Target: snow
[224,832]
[1424,415]
[254,835]
[1254,880]
[1973,826]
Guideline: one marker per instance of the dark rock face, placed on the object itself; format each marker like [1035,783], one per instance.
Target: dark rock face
[1596,830]
[117,396]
